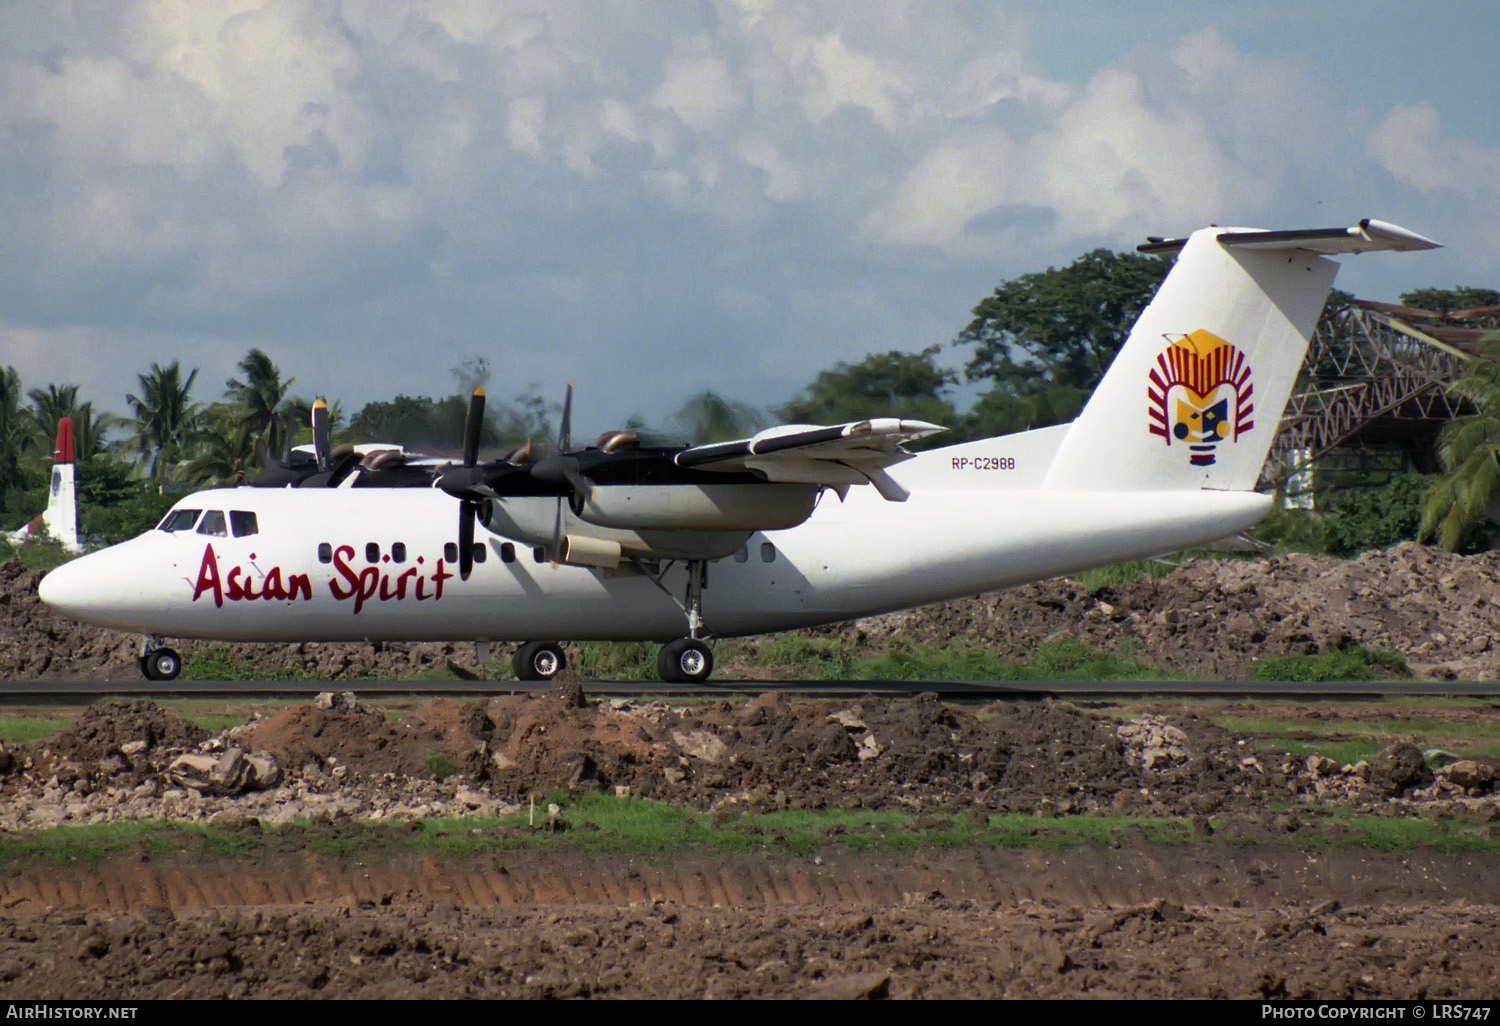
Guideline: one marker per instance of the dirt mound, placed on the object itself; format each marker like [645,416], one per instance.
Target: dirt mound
[341,736]
[134,726]
[1213,618]
[919,754]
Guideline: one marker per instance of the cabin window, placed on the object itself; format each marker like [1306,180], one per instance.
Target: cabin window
[398,552]
[180,520]
[742,554]
[450,552]
[325,552]
[243,523]
[213,523]
[539,554]
[767,552]
[507,552]
[479,552]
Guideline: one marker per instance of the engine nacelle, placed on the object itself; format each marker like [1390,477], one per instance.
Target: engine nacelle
[709,507]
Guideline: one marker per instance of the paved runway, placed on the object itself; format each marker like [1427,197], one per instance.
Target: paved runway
[33,692]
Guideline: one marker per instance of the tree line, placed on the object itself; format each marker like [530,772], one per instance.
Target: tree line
[1036,346]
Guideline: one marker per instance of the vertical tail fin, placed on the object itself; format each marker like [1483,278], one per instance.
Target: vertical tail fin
[1195,396]
[61,517]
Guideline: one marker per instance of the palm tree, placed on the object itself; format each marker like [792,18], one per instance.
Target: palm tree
[50,406]
[164,418]
[261,398]
[224,448]
[1469,453]
[12,428]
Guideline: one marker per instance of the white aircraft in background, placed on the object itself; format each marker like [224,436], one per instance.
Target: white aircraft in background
[674,545]
[60,519]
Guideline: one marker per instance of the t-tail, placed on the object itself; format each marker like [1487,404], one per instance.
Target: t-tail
[60,520]
[1194,398]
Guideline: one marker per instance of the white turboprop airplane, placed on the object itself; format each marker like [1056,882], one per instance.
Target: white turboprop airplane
[60,519]
[618,542]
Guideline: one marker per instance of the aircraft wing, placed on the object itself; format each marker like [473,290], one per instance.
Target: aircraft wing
[837,456]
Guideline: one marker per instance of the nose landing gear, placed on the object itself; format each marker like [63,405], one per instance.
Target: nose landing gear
[158,662]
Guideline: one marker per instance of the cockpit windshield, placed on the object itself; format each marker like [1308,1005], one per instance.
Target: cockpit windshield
[179,520]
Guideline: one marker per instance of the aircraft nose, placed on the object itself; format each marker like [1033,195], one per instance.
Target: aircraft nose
[67,589]
[106,588]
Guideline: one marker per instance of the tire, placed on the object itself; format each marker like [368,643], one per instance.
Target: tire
[161,664]
[684,661]
[538,660]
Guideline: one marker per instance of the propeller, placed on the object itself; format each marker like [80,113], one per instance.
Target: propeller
[465,481]
[561,467]
[320,433]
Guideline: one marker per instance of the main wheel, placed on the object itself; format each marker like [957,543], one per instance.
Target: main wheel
[538,660]
[684,661]
[161,664]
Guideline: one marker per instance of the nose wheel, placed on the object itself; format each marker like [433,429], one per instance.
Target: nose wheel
[158,662]
[684,661]
[538,660]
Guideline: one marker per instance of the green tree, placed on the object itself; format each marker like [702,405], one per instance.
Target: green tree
[711,417]
[891,384]
[224,447]
[1469,454]
[50,406]
[12,430]
[164,418]
[262,403]
[1462,297]
[1046,339]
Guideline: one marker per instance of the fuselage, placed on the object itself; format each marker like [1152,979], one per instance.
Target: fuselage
[297,564]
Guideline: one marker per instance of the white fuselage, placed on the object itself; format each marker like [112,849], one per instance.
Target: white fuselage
[977,519]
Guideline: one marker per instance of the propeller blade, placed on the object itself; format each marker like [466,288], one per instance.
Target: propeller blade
[582,486]
[473,426]
[467,511]
[564,437]
[320,433]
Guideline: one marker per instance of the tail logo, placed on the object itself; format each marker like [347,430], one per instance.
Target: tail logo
[1199,394]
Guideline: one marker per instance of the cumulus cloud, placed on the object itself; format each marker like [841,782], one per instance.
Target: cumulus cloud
[561,184]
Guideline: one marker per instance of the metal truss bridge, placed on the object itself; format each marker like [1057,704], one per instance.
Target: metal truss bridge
[1376,375]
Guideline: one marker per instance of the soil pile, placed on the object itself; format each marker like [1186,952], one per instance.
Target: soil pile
[336,758]
[1213,618]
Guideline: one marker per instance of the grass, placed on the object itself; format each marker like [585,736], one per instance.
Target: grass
[604,825]
[1349,664]
[214,662]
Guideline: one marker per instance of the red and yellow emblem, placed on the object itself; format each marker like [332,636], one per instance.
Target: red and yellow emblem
[1199,395]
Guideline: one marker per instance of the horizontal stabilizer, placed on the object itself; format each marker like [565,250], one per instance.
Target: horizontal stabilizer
[1368,235]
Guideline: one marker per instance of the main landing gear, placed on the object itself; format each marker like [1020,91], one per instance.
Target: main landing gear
[538,660]
[158,662]
[688,660]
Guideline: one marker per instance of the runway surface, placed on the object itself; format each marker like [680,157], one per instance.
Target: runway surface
[37,692]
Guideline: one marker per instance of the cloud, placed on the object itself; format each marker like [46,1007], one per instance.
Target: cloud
[1409,143]
[377,189]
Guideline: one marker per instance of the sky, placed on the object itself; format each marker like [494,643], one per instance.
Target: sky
[651,200]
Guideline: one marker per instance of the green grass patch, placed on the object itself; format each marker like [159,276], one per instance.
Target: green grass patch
[26,730]
[1350,664]
[604,825]
[215,662]
[1063,659]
